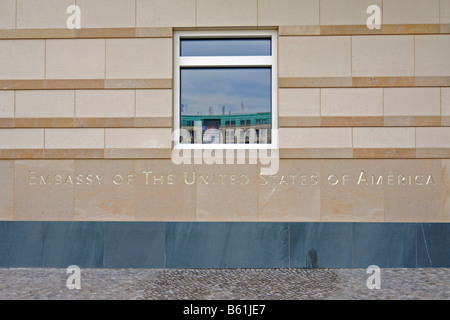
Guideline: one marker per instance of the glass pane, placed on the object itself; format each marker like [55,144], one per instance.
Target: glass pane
[226,105]
[225,47]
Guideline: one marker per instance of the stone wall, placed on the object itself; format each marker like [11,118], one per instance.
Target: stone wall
[86,115]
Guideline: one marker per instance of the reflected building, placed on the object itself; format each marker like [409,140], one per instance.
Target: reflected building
[229,126]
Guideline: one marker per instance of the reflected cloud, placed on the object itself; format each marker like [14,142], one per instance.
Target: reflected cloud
[225,91]
[225,47]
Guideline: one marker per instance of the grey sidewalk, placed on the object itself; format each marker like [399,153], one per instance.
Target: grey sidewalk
[233,284]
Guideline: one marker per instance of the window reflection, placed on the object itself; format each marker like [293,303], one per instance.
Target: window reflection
[225,47]
[226,105]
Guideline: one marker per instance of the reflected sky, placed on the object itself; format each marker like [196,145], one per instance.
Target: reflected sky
[225,47]
[225,91]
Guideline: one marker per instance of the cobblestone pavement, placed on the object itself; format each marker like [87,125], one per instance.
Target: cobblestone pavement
[224,284]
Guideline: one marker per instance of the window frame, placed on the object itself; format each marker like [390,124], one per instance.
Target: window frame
[223,62]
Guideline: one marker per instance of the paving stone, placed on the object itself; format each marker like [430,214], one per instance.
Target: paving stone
[224,284]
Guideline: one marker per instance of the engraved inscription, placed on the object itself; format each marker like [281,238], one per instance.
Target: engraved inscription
[150,178]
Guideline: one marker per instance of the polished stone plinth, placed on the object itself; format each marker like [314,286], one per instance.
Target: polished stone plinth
[223,245]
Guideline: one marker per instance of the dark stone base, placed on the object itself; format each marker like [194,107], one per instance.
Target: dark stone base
[26,244]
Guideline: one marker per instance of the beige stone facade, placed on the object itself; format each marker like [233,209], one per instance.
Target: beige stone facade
[363,114]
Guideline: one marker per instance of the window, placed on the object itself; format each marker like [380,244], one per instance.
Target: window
[224,82]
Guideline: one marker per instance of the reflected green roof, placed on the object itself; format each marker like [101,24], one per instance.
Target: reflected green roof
[266,117]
